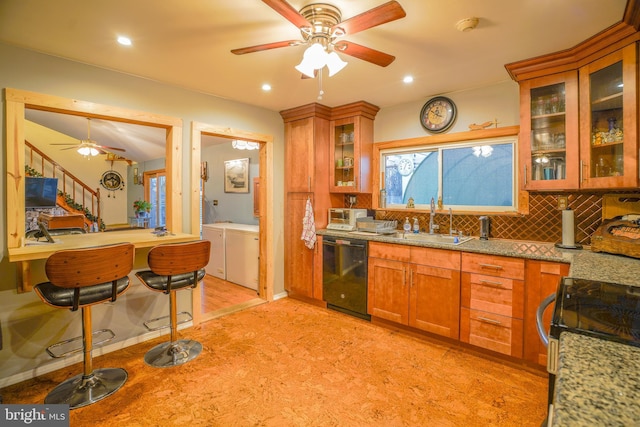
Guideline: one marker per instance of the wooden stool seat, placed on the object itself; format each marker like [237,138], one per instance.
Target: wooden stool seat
[174,267]
[80,278]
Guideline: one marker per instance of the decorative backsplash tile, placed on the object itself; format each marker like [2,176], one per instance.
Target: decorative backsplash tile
[542,224]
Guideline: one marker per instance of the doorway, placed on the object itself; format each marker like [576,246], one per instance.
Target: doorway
[265,212]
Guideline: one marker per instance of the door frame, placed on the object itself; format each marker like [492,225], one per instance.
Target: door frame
[265,219]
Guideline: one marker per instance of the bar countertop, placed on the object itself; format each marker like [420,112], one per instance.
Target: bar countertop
[143,238]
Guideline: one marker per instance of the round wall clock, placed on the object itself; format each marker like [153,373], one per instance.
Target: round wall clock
[438,114]
[405,167]
[112,180]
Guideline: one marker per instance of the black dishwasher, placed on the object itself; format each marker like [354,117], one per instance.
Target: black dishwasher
[344,275]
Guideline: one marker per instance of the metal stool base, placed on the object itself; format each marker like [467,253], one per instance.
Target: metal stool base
[174,353]
[84,390]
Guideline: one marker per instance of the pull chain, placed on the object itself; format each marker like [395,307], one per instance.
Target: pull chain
[320,91]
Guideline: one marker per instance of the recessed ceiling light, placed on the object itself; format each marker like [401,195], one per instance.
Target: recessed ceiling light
[408,79]
[125,41]
[266,87]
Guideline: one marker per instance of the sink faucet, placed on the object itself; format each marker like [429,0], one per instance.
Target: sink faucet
[432,226]
[450,222]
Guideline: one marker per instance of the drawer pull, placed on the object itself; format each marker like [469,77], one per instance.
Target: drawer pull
[492,284]
[492,266]
[487,320]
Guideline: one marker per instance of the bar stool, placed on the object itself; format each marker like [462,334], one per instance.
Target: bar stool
[174,267]
[80,278]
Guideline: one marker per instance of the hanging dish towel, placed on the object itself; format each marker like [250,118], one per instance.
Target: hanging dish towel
[308,226]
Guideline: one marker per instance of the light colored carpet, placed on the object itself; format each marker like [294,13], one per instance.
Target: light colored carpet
[288,363]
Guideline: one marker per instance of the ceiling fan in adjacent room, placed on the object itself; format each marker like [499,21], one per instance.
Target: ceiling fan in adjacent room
[89,147]
[322,29]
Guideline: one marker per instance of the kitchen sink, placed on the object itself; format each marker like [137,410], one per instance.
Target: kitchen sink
[433,238]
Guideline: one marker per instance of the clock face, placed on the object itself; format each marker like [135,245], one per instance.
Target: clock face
[438,114]
[405,167]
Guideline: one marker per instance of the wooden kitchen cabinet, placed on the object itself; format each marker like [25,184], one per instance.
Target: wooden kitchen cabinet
[599,150]
[351,141]
[549,132]
[417,287]
[492,303]
[608,117]
[542,278]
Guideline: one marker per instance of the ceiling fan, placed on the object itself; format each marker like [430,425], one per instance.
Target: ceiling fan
[321,23]
[89,147]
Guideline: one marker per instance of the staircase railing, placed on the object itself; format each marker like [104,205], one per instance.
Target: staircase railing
[80,194]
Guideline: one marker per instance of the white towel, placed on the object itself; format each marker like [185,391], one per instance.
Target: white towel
[308,226]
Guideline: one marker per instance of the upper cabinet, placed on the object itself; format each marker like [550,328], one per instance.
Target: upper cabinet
[351,142]
[608,121]
[578,114]
[549,132]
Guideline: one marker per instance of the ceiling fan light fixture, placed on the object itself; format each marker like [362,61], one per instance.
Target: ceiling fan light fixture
[239,144]
[335,63]
[87,151]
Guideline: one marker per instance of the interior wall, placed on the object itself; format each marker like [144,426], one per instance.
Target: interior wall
[231,207]
[27,70]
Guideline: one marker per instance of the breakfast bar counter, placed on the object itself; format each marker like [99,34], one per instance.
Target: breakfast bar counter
[37,252]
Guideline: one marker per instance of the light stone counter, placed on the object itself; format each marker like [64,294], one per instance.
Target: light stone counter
[597,382]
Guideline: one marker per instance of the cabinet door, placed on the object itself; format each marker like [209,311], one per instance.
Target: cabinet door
[435,300]
[549,132]
[344,155]
[299,274]
[300,156]
[388,294]
[608,117]
[542,279]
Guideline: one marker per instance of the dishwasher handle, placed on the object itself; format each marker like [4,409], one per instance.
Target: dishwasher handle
[539,313]
[343,243]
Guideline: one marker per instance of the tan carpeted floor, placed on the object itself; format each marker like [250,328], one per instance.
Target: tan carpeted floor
[289,363]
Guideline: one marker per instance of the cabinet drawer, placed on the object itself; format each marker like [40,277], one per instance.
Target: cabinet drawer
[441,258]
[389,251]
[493,332]
[493,265]
[497,295]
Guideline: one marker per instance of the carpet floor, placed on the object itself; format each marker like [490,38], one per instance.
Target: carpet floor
[288,363]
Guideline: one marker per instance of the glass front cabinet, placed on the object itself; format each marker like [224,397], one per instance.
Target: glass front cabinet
[608,121]
[549,133]
[350,155]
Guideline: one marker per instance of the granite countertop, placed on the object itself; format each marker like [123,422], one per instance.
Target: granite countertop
[598,383]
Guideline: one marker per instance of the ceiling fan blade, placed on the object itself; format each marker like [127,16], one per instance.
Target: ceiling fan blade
[266,46]
[288,12]
[373,17]
[104,147]
[70,148]
[365,53]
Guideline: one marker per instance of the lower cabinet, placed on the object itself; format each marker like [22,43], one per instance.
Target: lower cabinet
[417,287]
[492,303]
[542,279]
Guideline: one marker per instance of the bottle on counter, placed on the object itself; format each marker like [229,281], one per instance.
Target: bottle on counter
[416,225]
[407,225]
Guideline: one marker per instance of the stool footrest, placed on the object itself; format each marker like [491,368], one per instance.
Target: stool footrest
[149,324]
[53,348]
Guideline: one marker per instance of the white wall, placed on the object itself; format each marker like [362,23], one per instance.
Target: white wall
[500,101]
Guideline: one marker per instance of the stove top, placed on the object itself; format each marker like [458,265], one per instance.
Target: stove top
[604,310]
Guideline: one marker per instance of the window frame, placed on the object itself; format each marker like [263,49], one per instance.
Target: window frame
[440,142]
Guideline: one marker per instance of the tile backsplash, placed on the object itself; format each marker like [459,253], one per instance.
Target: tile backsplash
[542,224]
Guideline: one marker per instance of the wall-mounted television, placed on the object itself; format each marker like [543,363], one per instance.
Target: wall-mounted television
[40,192]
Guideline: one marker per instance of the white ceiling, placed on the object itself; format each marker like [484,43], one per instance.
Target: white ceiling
[187,44]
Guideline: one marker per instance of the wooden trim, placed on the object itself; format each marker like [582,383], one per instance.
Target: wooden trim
[598,46]
[632,14]
[17,101]
[265,219]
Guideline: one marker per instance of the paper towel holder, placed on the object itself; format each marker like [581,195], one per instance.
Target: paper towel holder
[568,222]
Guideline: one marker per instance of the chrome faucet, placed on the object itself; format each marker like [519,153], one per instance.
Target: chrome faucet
[432,226]
[451,230]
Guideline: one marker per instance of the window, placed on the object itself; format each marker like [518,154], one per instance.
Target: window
[474,175]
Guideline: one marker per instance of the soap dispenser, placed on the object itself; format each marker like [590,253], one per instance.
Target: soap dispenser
[407,225]
[416,225]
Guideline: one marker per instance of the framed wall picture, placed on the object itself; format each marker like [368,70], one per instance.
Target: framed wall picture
[236,176]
